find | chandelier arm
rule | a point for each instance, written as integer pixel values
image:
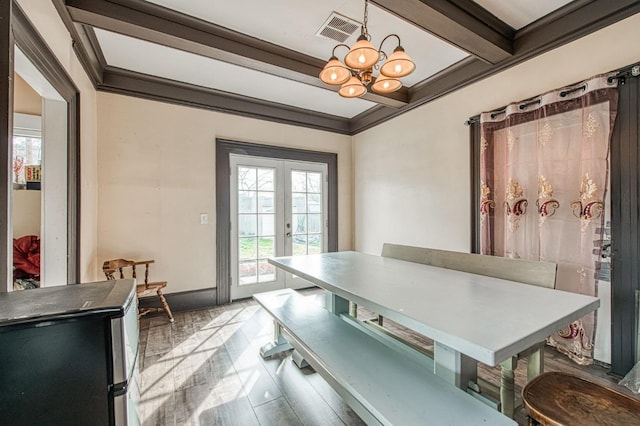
(385, 39)
(333, 52)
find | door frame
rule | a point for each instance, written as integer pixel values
(17, 30)
(224, 147)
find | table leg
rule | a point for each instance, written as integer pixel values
(278, 345)
(535, 362)
(507, 395)
(336, 304)
(454, 366)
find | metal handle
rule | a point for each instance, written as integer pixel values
(288, 234)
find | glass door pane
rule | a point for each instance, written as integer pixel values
(278, 208)
(256, 234)
(306, 201)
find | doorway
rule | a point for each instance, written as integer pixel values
(28, 54)
(278, 208)
(224, 150)
(41, 142)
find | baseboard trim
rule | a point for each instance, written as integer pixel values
(183, 300)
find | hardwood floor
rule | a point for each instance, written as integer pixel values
(205, 369)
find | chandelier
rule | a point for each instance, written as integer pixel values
(356, 73)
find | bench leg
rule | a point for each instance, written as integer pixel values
(298, 359)
(453, 366)
(278, 345)
(507, 395)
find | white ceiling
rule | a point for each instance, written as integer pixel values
(154, 59)
(293, 25)
(520, 13)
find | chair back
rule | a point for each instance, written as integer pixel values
(111, 267)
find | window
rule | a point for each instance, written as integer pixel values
(27, 150)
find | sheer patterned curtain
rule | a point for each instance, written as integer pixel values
(544, 176)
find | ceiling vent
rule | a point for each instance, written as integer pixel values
(338, 27)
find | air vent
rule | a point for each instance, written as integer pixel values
(338, 27)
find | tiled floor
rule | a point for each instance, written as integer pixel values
(205, 369)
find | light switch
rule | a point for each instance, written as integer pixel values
(204, 218)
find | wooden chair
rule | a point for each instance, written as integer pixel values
(561, 399)
(110, 267)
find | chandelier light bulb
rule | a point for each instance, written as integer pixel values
(398, 65)
(334, 72)
(384, 84)
(362, 54)
(352, 88)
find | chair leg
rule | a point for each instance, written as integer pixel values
(165, 305)
(532, 422)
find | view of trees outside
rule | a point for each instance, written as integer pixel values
(257, 219)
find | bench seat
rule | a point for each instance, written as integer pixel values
(380, 383)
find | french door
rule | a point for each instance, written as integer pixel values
(278, 208)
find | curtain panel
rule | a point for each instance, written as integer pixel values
(544, 178)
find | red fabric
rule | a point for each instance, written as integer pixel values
(26, 256)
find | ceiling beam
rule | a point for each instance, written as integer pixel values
(117, 80)
(490, 39)
(156, 24)
(91, 58)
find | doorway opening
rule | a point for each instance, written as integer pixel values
(278, 208)
(305, 237)
(28, 55)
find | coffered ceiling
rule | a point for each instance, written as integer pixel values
(262, 58)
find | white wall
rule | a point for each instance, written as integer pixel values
(411, 174)
(48, 23)
(156, 173)
(26, 212)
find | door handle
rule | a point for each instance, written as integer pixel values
(288, 234)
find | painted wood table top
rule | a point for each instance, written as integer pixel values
(487, 319)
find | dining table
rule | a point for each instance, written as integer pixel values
(470, 317)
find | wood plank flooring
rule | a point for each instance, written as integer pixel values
(206, 369)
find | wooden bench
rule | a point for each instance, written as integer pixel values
(542, 274)
(563, 399)
(384, 384)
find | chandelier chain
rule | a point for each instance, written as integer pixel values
(366, 18)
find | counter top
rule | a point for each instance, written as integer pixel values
(103, 297)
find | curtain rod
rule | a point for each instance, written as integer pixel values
(621, 75)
